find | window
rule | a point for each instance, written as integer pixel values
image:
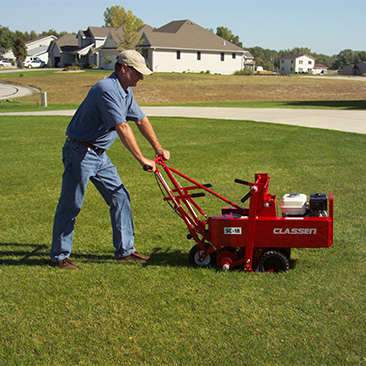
(310, 62)
(234, 56)
(222, 56)
(199, 55)
(301, 62)
(282, 61)
(178, 55)
(145, 53)
(292, 61)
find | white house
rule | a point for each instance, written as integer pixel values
(36, 48)
(297, 64)
(183, 46)
(320, 69)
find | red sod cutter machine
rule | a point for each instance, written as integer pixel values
(254, 237)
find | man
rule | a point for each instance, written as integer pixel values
(101, 117)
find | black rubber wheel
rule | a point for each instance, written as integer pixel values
(274, 261)
(193, 258)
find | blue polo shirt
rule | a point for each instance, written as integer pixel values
(106, 106)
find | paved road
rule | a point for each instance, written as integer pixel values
(341, 120)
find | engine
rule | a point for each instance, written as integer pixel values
(298, 205)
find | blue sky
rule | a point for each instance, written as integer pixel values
(324, 26)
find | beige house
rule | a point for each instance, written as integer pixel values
(80, 49)
(297, 64)
(61, 51)
(183, 46)
(111, 47)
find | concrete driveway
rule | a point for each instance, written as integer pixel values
(8, 91)
(340, 120)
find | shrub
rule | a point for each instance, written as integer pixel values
(245, 72)
(70, 68)
(107, 60)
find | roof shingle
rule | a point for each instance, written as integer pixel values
(184, 34)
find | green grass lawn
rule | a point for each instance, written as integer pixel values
(168, 312)
(66, 90)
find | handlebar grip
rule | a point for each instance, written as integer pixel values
(240, 181)
(253, 189)
(146, 168)
(246, 196)
(201, 194)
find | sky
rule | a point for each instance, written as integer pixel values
(323, 26)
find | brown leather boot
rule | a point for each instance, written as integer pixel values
(63, 264)
(135, 256)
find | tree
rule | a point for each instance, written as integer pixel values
(299, 51)
(130, 37)
(116, 16)
(324, 59)
(6, 37)
(52, 32)
(268, 59)
(107, 60)
(228, 35)
(19, 49)
(344, 58)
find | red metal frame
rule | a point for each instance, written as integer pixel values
(249, 230)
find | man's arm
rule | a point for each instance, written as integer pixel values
(148, 132)
(128, 139)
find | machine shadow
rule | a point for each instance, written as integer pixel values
(177, 258)
(17, 254)
(21, 254)
(168, 257)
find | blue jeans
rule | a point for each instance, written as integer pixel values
(81, 165)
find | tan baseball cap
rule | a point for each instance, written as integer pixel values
(134, 59)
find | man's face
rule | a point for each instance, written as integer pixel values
(129, 77)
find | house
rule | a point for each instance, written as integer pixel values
(35, 48)
(82, 48)
(183, 46)
(179, 46)
(110, 50)
(90, 42)
(297, 64)
(62, 50)
(361, 66)
(320, 69)
(355, 69)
